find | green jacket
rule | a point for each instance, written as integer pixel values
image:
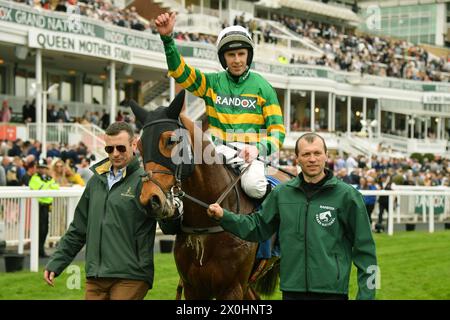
(118, 233)
(244, 109)
(319, 237)
(37, 183)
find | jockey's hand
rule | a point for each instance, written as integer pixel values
(48, 277)
(249, 153)
(215, 211)
(165, 23)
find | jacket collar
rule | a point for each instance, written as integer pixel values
(241, 78)
(104, 166)
(297, 181)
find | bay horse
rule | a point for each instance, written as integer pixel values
(212, 263)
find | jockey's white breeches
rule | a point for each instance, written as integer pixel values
(253, 182)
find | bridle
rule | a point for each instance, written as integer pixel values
(176, 190)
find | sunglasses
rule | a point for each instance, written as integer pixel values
(110, 149)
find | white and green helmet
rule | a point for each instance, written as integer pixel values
(233, 38)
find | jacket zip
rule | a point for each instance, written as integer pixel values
(306, 223)
(101, 234)
(306, 247)
(136, 245)
(102, 223)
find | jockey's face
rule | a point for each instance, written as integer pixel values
(236, 61)
(118, 158)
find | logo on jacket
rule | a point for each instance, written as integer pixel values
(128, 194)
(236, 102)
(325, 219)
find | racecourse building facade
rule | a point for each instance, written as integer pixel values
(97, 65)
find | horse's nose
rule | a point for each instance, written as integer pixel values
(155, 203)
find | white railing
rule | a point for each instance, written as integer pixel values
(19, 216)
(409, 146)
(19, 213)
(428, 204)
(72, 133)
(76, 109)
(206, 11)
(198, 23)
(427, 146)
(395, 142)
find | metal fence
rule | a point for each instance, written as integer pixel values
(19, 212)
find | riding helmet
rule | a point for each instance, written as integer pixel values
(233, 38)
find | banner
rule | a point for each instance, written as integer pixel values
(8, 132)
(78, 44)
(439, 204)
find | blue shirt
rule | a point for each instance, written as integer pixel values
(112, 179)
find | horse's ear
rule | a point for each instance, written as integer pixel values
(139, 112)
(176, 105)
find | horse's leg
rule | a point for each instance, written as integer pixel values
(191, 294)
(235, 292)
(251, 294)
(179, 290)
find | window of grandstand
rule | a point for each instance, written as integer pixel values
(341, 114)
(23, 81)
(301, 111)
(321, 111)
(93, 93)
(357, 114)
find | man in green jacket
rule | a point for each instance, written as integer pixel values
(242, 107)
(109, 219)
(323, 227)
(41, 180)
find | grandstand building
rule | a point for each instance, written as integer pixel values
(98, 64)
(416, 21)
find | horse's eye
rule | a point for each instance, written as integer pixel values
(173, 140)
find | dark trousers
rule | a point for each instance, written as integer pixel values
(383, 205)
(43, 226)
(289, 295)
(369, 208)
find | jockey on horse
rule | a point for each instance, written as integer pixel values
(242, 107)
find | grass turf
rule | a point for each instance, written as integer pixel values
(413, 265)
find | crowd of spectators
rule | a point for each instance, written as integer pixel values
(103, 10)
(380, 173)
(403, 171)
(347, 51)
(68, 164)
(367, 54)
(62, 115)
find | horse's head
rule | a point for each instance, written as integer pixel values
(167, 155)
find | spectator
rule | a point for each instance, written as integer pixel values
(84, 170)
(41, 180)
(58, 173)
(383, 201)
(2, 176)
(30, 171)
(5, 112)
(369, 201)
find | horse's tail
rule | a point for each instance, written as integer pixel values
(267, 284)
